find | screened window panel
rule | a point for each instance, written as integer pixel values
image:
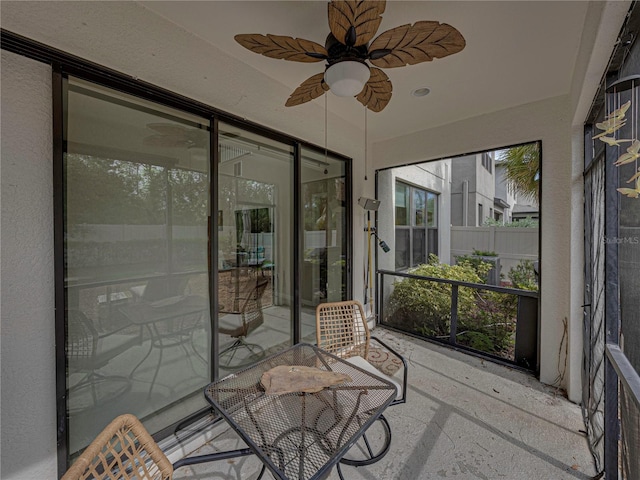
(432, 242)
(402, 203)
(419, 247)
(431, 208)
(402, 251)
(419, 204)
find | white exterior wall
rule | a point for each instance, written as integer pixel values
(549, 121)
(433, 176)
(503, 192)
(557, 122)
(27, 283)
(485, 190)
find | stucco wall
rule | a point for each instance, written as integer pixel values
(170, 57)
(435, 177)
(549, 121)
(26, 239)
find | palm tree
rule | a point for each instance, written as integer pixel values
(522, 170)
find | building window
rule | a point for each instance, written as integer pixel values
(416, 223)
(480, 214)
(487, 161)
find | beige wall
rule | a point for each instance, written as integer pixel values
(26, 237)
(557, 122)
(548, 121)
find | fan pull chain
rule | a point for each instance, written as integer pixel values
(365, 143)
(325, 129)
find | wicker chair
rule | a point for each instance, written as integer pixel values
(124, 450)
(251, 318)
(341, 329)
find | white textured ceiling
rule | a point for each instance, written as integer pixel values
(517, 52)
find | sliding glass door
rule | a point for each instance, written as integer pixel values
(136, 208)
(182, 262)
(255, 246)
(324, 243)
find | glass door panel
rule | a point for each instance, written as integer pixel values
(255, 245)
(324, 250)
(136, 277)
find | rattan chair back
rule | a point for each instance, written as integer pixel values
(341, 329)
(252, 314)
(82, 342)
(124, 450)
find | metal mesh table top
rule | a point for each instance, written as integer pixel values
(301, 435)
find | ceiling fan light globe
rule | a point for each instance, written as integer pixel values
(347, 78)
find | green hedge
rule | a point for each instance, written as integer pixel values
(486, 319)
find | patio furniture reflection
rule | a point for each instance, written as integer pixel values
(87, 352)
(250, 317)
(299, 435)
(170, 322)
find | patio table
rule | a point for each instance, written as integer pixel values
(299, 435)
(170, 323)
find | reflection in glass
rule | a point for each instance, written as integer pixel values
(402, 251)
(419, 197)
(402, 204)
(324, 262)
(432, 200)
(255, 244)
(136, 212)
(419, 246)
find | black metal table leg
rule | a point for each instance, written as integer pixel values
(373, 456)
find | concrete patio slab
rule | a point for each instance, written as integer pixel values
(465, 418)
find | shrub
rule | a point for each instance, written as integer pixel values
(490, 326)
(527, 222)
(481, 267)
(484, 253)
(425, 306)
(486, 319)
(523, 276)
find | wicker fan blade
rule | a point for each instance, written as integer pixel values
(377, 91)
(311, 88)
(363, 16)
(286, 48)
(411, 44)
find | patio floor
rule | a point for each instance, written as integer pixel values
(465, 418)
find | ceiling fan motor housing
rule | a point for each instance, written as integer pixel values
(339, 52)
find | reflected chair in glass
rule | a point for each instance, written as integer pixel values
(87, 352)
(251, 317)
(123, 450)
(341, 329)
(169, 324)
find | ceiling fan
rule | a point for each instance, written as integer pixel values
(348, 53)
